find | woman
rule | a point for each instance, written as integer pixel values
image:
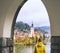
(39, 47)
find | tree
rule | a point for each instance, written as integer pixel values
(22, 26)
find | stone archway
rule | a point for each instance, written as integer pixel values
(8, 9)
(53, 11)
(7, 24)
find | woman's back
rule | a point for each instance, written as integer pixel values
(40, 48)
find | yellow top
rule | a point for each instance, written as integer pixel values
(40, 48)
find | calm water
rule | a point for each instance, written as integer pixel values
(30, 49)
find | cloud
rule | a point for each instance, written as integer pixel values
(34, 10)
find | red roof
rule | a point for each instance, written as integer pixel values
(19, 35)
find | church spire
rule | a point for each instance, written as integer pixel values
(32, 30)
(32, 25)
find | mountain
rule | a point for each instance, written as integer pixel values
(45, 28)
(22, 26)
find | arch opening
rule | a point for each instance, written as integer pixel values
(21, 32)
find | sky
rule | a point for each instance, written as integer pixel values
(34, 11)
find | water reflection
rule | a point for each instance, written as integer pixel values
(23, 49)
(28, 49)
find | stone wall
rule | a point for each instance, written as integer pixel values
(6, 45)
(55, 44)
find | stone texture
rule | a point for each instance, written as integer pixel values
(6, 45)
(1, 39)
(55, 44)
